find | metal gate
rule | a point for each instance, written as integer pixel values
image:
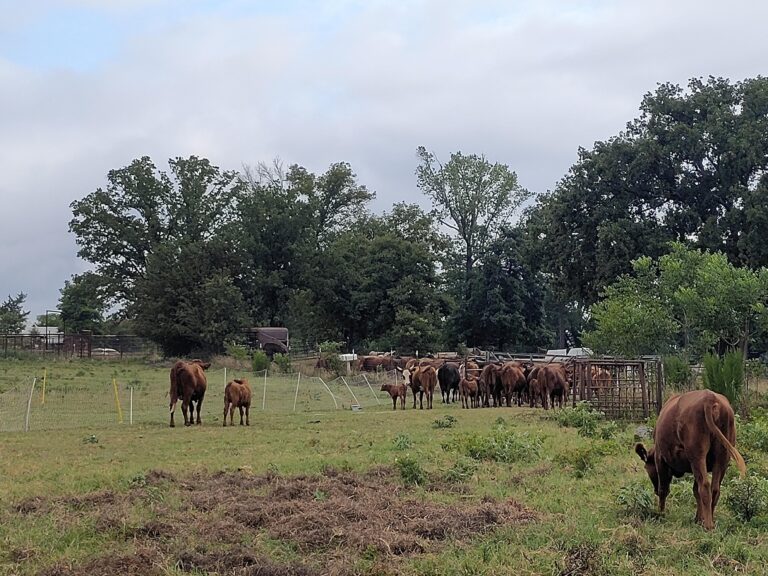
(621, 389)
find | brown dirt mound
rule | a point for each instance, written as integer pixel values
(334, 517)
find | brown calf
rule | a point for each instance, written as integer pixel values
(396, 391)
(237, 394)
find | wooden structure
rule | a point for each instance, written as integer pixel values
(621, 389)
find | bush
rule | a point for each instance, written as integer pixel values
(501, 445)
(582, 460)
(753, 435)
(283, 362)
(725, 375)
(236, 351)
(461, 471)
(678, 372)
(582, 416)
(260, 361)
(329, 353)
(747, 498)
(445, 422)
(403, 442)
(410, 470)
(636, 500)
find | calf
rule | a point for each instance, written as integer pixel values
(695, 432)
(468, 389)
(396, 391)
(237, 394)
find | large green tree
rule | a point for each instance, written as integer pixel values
(118, 227)
(83, 303)
(691, 168)
(13, 318)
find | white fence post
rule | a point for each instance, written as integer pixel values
(130, 417)
(372, 391)
(264, 397)
(296, 396)
(333, 396)
(29, 404)
(350, 391)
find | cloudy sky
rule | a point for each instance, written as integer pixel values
(89, 85)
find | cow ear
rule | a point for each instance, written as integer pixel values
(642, 452)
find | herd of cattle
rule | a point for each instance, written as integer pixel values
(492, 384)
(695, 431)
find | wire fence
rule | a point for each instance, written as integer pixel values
(36, 404)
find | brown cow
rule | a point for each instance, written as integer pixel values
(695, 432)
(237, 393)
(423, 379)
(468, 389)
(376, 363)
(489, 382)
(397, 391)
(513, 382)
(188, 382)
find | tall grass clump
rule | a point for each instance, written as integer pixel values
(283, 362)
(747, 498)
(500, 445)
(754, 434)
(636, 500)
(411, 471)
(725, 375)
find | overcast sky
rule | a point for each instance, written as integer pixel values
(89, 85)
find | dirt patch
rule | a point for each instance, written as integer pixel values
(336, 517)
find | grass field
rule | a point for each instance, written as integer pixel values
(488, 491)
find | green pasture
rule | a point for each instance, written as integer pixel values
(569, 482)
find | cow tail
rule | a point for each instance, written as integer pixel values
(717, 432)
(174, 391)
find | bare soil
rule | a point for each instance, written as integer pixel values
(200, 522)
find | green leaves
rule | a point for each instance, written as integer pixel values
(12, 315)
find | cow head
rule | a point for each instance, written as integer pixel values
(201, 363)
(406, 375)
(648, 457)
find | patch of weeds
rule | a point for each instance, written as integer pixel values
(581, 460)
(754, 435)
(273, 469)
(461, 471)
(583, 414)
(138, 480)
(747, 498)
(410, 470)
(402, 442)
(608, 430)
(501, 445)
(636, 500)
(500, 421)
(445, 422)
(92, 439)
(320, 496)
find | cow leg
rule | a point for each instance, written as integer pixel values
(421, 400)
(394, 402)
(247, 415)
(199, 404)
(414, 399)
(226, 409)
(241, 414)
(665, 479)
(184, 407)
(704, 497)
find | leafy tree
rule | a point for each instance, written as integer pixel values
(13, 318)
(187, 300)
(688, 298)
(471, 196)
(119, 228)
(83, 303)
(52, 320)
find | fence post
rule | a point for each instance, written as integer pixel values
(264, 397)
(117, 402)
(296, 396)
(29, 405)
(350, 391)
(371, 387)
(333, 396)
(131, 409)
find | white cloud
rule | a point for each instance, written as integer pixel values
(364, 82)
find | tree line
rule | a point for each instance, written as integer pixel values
(653, 241)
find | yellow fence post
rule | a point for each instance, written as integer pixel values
(117, 402)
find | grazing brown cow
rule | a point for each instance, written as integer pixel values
(423, 379)
(237, 394)
(396, 391)
(188, 382)
(695, 432)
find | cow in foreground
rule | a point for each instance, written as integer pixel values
(188, 382)
(423, 379)
(237, 394)
(396, 391)
(695, 432)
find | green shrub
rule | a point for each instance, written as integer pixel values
(236, 351)
(725, 375)
(260, 361)
(582, 459)
(677, 372)
(461, 471)
(403, 442)
(501, 445)
(747, 498)
(636, 500)
(753, 435)
(411, 471)
(445, 422)
(283, 362)
(329, 352)
(583, 414)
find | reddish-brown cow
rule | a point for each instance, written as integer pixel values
(423, 379)
(237, 394)
(695, 432)
(188, 382)
(396, 391)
